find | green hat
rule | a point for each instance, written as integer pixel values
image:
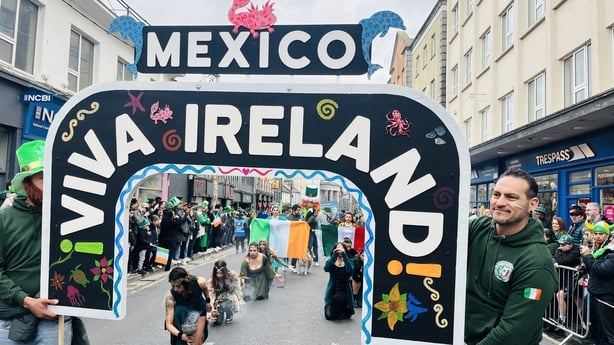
(174, 202)
(204, 204)
(565, 239)
(602, 226)
(31, 157)
(540, 209)
(144, 223)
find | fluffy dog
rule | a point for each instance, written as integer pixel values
(304, 264)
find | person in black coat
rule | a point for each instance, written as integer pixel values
(600, 265)
(568, 255)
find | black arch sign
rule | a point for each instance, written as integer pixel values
(395, 150)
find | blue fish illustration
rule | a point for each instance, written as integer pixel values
(414, 308)
(378, 24)
(131, 29)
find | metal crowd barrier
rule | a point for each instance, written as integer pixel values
(569, 310)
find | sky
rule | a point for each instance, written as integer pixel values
(292, 12)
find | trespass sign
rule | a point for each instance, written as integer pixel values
(397, 152)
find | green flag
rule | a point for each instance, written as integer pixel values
(329, 238)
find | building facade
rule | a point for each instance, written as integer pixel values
(530, 85)
(49, 50)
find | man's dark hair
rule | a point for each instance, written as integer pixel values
(518, 173)
(295, 207)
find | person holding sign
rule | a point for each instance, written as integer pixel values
(510, 272)
(186, 308)
(24, 316)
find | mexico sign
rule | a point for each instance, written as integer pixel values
(398, 152)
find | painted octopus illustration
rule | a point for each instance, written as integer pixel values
(254, 19)
(396, 124)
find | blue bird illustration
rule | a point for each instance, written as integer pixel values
(129, 28)
(414, 308)
(378, 24)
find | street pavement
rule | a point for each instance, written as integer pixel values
(292, 315)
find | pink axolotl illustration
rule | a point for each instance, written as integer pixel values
(160, 114)
(254, 19)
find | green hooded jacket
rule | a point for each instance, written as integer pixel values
(510, 282)
(20, 252)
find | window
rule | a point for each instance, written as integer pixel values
(486, 124)
(507, 113)
(433, 46)
(537, 97)
(507, 28)
(432, 89)
(455, 19)
(536, 10)
(577, 75)
(417, 65)
(468, 130)
(455, 80)
(122, 71)
(486, 42)
(18, 33)
(80, 62)
(468, 66)
(424, 54)
(469, 7)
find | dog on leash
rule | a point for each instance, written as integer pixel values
(304, 265)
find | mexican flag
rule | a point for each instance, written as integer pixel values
(289, 239)
(332, 234)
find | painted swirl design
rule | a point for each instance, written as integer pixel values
(427, 282)
(327, 108)
(443, 198)
(67, 136)
(171, 140)
(441, 323)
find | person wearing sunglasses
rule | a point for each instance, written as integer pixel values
(576, 229)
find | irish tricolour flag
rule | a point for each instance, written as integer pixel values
(533, 293)
(289, 239)
(332, 234)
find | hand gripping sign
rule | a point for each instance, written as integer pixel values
(398, 153)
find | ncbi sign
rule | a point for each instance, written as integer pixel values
(40, 110)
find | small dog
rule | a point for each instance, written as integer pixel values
(305, 264)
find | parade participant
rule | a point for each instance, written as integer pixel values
(311, 217)
(275, 214)
(358, 260)
(24, 317)
(295, 215)
(257, 273)
(510, 277)
(338, 298)
(225, 293)
(186, 308)
(274, 260)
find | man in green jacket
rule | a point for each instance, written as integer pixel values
(510, 273)
(24, 317)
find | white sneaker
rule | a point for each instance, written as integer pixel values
(317, 264)
(187, 260)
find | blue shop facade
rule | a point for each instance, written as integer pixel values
(570, 154)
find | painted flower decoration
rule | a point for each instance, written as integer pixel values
(392, 306)
(103, 270)
(57, 281)
(78, 276)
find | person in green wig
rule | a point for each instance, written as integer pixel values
(25, 315)
(600, 265)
